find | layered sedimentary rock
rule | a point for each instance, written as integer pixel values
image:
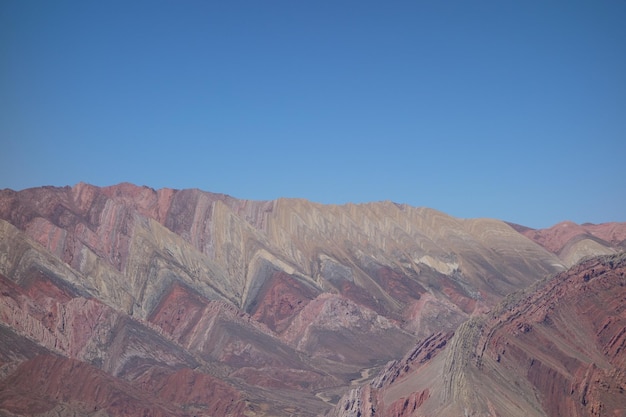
(555, 349)
(183, 302)
(572, 242)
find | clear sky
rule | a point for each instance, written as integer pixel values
(506, 109)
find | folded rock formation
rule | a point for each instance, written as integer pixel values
(126, 300)
(557, 348)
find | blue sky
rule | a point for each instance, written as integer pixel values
(507, 109)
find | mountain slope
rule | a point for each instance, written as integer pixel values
(155, 293)
(555, 349)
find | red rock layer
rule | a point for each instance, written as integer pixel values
(374, 399)
(569, 338)
(407, 406)
(40, 384)
(45, 382)
(280, 300)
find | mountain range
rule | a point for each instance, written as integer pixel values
(126, 300)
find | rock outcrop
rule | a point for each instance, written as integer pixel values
(555, 349)
(183, 302)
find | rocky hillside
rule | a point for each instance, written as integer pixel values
(572, 242)
(555, 349)
(125, 300)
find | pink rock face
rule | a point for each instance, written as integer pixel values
(407, 406)
(386, 394)
(189, 389)
(148, 202)
(41, 384)
(399, 286)
(57, 318)
(55, 379)
(570, 337)
(178, 312)
(280, 300)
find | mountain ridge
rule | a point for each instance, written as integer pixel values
(269, 297)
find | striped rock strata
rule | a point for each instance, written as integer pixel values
(556, 349)
(280, 306)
